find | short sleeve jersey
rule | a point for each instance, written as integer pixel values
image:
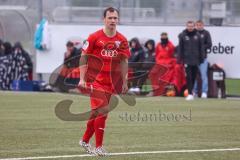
(109, 50)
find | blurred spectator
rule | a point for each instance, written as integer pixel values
(19, 67)
(18, 50)
(7, 48)
(70, 59)
(149, 54)
(166, 72)
(13, 67)
(191, 51)
(148, 60)
(203, 67)
(1, 48)
(70, 73)
(137, 56)
(4, 63)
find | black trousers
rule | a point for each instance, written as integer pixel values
(191, 71)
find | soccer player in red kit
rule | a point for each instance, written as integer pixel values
(112, 49)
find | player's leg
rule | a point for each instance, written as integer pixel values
(190, 81)
(89, 131)
(100, 103)
(84, 142)
(99, 126)
(203, 70)
(86, 146)
(195, 89)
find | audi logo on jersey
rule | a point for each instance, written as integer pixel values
(109, 53)
(110, 49)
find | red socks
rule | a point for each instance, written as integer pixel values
(96, 126)
(99, 126)
(89, 131)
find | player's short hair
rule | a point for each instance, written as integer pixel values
(190, 22)
(69, 44)
(110, 9)
(164, 34)
(199, 21)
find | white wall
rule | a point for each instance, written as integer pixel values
(225, 37)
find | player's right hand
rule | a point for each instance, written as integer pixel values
(124, 88)
(82, 84)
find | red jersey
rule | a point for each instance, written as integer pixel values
(164, 55)
(107, 52)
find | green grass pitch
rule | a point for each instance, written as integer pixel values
(30, 128)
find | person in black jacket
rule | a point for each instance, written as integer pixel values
(149, 55)
(70, 55)
(190, 53)
(135, 62)
(148, 60)
(69, 73)
(203, 67)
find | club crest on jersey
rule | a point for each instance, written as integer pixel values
(117, 43)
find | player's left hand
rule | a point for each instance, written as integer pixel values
(124, 88)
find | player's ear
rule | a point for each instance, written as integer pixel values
(104, 20)
(118, 20)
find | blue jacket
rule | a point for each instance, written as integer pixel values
(38, 36)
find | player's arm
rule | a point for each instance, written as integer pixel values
(83, 69)
(87, 49)
(124, 72)
(180, 55)
(208, 44)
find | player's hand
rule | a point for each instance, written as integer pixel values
(67, 54)
(82, 84)
(124, 88)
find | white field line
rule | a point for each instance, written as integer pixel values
(128, 153)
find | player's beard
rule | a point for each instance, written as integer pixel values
(112, 27)
(110, 30)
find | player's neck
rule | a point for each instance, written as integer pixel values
(109, 32)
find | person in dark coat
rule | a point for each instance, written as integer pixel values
(70, 72)
(149, 54)
(203, 67)
(190, 53)
(135, 62)
(148, 61)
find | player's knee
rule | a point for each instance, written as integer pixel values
(103, 110)
(100, 121)
(90, 123)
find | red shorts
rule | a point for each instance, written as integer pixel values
(99, 94)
